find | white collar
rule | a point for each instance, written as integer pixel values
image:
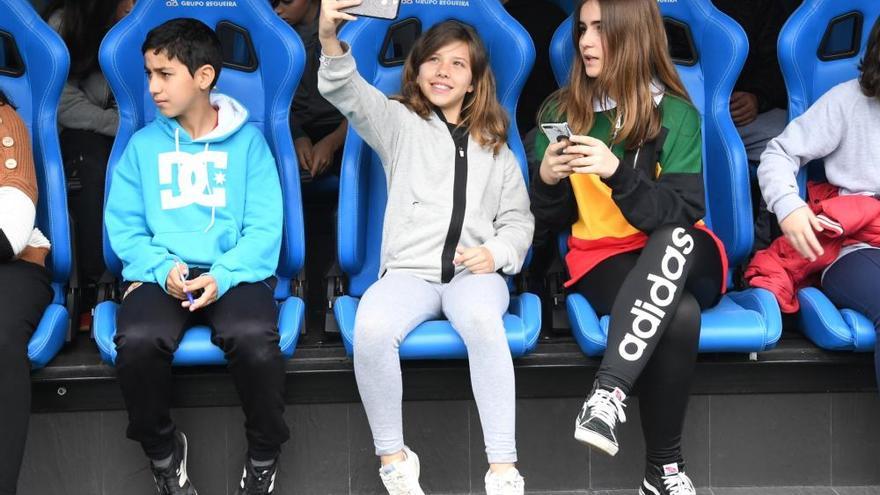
(657, 92)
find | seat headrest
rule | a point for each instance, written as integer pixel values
(821, 46)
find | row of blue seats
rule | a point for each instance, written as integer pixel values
(747, 321)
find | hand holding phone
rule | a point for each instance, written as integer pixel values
(380, 9)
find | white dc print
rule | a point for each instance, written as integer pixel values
(195, 187)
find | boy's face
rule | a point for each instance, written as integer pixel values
(172, 87)
(291, 11)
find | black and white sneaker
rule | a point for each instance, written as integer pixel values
(595, 425)
(257, 480)
(668, 479)
(173, 480)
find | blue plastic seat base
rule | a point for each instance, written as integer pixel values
(196, 347)
(437, 339)
(833, 329)
(746, 321)
(49, 336)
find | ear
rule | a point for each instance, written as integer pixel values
(470, 88)
(205, 76)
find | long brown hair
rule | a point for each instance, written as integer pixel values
(635, 52)
(481, 112)
(869, 78)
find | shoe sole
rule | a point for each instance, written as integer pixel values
(595, 440)
(183, 462)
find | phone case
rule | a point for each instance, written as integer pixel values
(380, 9)
(555, 132)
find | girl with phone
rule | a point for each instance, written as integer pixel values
(457, 213)
(628, 187)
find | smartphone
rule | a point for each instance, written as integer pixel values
(380, 9)
(556, 132)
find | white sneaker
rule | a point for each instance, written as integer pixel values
(507, 483)
(402, 477)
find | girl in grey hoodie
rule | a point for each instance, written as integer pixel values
(457, 212)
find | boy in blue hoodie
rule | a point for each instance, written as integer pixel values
(195, 213)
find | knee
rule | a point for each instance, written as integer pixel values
(373, 335)
(684, 328)
(254, 341)
(138, 343)
(481, 330)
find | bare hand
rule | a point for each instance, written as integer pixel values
(478, 260)
(322, 155)
(304, 150)
(332, 17)
(554, 166)
(743, 107)
(209, 295)
(174, 281)
(595, 157)
(800, 227)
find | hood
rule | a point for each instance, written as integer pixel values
(231, 116)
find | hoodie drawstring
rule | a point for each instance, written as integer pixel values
(210, 189)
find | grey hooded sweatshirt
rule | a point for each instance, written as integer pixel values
(425, 168)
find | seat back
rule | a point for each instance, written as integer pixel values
(380, 46)
(698, 28)
(33, 70)
(821, 46)
(263, 62)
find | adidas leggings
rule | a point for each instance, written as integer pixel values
(655, 297)
(474, 304)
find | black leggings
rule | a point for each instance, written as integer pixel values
(85, 164)
(655, 297)
(149, 326)
(24, 294)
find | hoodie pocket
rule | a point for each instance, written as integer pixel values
(198, 246)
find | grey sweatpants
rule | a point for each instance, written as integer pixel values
(474, 305)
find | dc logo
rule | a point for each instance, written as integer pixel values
(171, 3)
(193, 182)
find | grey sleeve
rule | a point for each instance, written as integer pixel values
(376, 118)
(813, 135)
(75, 111)
(514, 223)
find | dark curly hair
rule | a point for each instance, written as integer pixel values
(870, 66)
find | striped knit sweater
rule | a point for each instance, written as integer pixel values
(659, 183)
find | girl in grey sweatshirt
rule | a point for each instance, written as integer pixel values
(457, 212)
(842, 128)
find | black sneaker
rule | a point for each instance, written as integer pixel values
(257, 481)
(173, 480)
(595, 424)
(668, 479)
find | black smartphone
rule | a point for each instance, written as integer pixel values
(380, 9)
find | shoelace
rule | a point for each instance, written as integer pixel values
(396, 483)
(261, 482)
(170, 480)
(678, 484)
(606, 407)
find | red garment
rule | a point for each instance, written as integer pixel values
(585, 255)
(847, 219)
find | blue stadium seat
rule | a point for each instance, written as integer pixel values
(266, 88)
(818, 49)
(746, 321)
(35, 90)
(362, 194)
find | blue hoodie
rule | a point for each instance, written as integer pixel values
(213, 202)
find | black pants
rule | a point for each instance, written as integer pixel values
(655, 298)
(24, 295)
(85, 164)
(150, 324)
